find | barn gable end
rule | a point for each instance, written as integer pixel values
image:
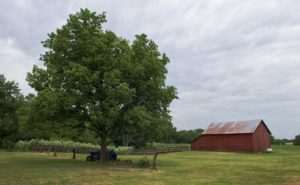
(261, 138)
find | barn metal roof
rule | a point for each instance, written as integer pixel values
(234, 127)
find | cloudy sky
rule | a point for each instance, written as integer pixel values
(230, 60)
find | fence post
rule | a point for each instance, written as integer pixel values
(55, 154)
(74, 153)
(154, 160)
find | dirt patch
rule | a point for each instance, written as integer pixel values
(291, 179)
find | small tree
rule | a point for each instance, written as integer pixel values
(98, 80)
(297, 140)
(273, 140)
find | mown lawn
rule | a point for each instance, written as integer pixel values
(282, 166)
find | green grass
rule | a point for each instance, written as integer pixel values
(282, 166)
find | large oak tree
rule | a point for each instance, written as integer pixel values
(102, 81)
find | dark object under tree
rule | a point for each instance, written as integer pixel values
(96, 156)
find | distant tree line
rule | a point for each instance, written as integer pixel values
(284, 141)
(10, 102)
(297, 140)
(186, 136)
(20, 119)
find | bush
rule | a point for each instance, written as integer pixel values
(29, 145)
(7, 143)
(23, 145)
(120, 149)
(297, 140)
(144, 162)
(166, 145)
(61, 146)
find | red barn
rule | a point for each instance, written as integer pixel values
(245, 136)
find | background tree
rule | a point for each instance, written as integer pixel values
(97, 80)
(26, 129)
(187, 136)
(38, 118)
(273, 140)
(297, 140)
(10, 99)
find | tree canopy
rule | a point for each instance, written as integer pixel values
(187, 136)
(297, 140)
(10, 99)
(96, 79)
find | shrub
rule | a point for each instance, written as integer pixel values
(7, 143)
(61, 146)
(297, 140)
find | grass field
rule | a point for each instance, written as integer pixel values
(193, 167)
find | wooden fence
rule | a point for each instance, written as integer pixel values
(144, 151)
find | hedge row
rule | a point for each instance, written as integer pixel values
(41, 145)
(167, 145)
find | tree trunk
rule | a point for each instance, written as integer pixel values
(103, 150)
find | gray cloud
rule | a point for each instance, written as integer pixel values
(230, 60)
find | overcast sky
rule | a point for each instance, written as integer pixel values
(230, 60)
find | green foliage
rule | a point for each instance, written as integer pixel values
(187, 136)
(97, 80)
(284, 141)
(23, 145)
(33, 122)
(144, 162)
(273, 141)
(28, 145)
(166, 145)
(10, 100)
(297, 140)
(27, 129)
(120, 149)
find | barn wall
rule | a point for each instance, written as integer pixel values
(225, 142)
(261, 139)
